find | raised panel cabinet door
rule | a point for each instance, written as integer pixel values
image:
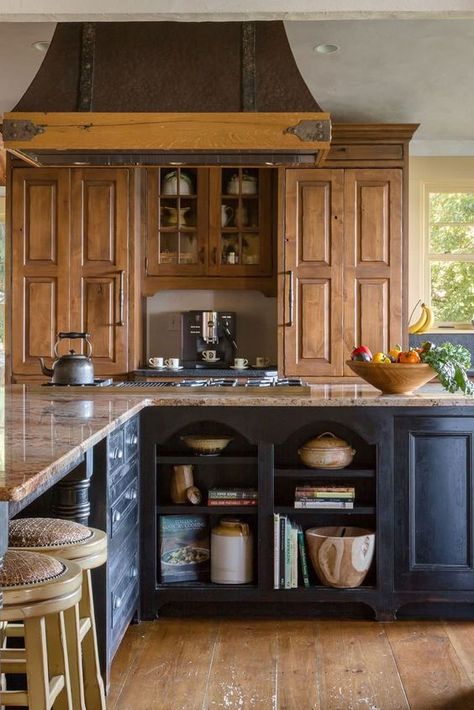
(100, 264)
(40, 265)
(373, 260)
(312, 294)
(433, 484)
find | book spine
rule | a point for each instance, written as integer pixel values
(276, 551)
(282, 550)
(232, 493)
(233, 501)
(324, 494)
(288, 554)
(325, 500)
(294, 556)
(314, 505)
(346, 489)
(303, 558)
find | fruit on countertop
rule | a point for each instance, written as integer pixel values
(361, 353)
(424, 322)
(381, 357)
(409, 357)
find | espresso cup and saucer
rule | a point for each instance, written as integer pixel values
(240, 363)
(262, 361)
(210, 356)
(158, 363)
(172, 363)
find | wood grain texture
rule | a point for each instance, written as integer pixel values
(431, 671)
(166, 131)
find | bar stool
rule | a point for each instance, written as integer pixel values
(86, 547)
(40, 591)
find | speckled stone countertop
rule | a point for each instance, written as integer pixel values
(42, 431)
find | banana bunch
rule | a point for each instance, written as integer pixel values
(424, 322)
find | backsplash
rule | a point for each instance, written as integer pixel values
(256, 320)
(466, 339)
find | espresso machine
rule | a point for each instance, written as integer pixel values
(208, 330)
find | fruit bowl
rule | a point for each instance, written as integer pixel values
(206, 445)
(393, 378)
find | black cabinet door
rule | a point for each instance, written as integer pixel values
(433, 483)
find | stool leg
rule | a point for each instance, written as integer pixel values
(58, 658)
(37, 663)
(71, 617)
(94, 685)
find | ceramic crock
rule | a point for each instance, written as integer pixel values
(326, 451)
(231, 552)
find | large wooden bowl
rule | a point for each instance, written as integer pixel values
(393, 378)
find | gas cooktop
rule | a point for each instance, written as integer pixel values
(214, 382)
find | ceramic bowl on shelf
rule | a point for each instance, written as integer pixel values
(341, 556)
(393, 378)
(326, 451)
(206, 445)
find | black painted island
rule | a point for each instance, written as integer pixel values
(412, 473)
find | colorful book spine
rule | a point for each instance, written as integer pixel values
(294, 556)
(282, 550)
(334, 504)
(288, 545)
(232, 501)
(302, 556)
(232, 493)
(276, 551)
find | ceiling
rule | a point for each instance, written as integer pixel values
(414, 71)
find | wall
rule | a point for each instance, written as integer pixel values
(256, 320)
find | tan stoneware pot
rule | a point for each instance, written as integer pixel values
(326, 451)
(341, 556)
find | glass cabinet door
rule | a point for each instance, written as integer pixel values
(242, 239)
(177, 206)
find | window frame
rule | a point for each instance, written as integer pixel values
(447, 187)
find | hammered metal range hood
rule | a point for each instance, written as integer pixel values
(160, 92)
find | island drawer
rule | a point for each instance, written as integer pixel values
(115, 449)
(121, 479)
(124, 575)
(124, 511)
(131, 438)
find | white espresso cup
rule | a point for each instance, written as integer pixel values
(172, 362)
(262, 361)
(156, 362)
(209, 355)
(241, 362)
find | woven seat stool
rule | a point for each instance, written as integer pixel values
(86, 547)
(43, 593)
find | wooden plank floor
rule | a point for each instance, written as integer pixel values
(205, 664)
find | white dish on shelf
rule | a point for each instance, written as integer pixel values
(158, 367)
(234, 367)
(180, 367)
(216, 359)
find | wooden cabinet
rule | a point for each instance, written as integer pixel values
(208, 228)
(434, 497)
(71, 265)
(343, 261)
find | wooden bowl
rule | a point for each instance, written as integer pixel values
(341, 556)
(206, 445)
(393, 378)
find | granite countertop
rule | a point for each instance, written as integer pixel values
(42, 431)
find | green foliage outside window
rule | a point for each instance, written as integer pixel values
(451, 232)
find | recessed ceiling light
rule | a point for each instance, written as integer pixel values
(41, 46)
(326, 48)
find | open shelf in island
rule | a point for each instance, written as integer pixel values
(303, 473)
(206, 509)
(180, 459)
(357, 510)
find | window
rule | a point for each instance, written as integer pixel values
(2, 282)
(449, 252)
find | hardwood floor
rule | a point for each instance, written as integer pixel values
(201, 664)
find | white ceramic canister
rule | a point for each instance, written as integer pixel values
(231, 552)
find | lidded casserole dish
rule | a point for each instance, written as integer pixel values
(326, 451)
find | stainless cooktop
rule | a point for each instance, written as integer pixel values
(213, 382)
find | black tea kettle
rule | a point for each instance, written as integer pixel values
(72, 369)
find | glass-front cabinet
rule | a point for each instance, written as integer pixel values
(240, 221)
(209, 222)
(177, 205)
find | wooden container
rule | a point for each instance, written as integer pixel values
(181, 479)
(326, 451)
(341, 556)
(393, 378)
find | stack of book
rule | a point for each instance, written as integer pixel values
(232, 496)
(289, 547)
(308, 496)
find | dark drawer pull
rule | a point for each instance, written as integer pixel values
(133, 572)
(116, 515)
(133, 440)
(117, 602)
(116, 454)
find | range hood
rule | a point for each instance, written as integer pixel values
(161, 92)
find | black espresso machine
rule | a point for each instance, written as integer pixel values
(203, 332)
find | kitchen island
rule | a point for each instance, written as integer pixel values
(413, 474)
